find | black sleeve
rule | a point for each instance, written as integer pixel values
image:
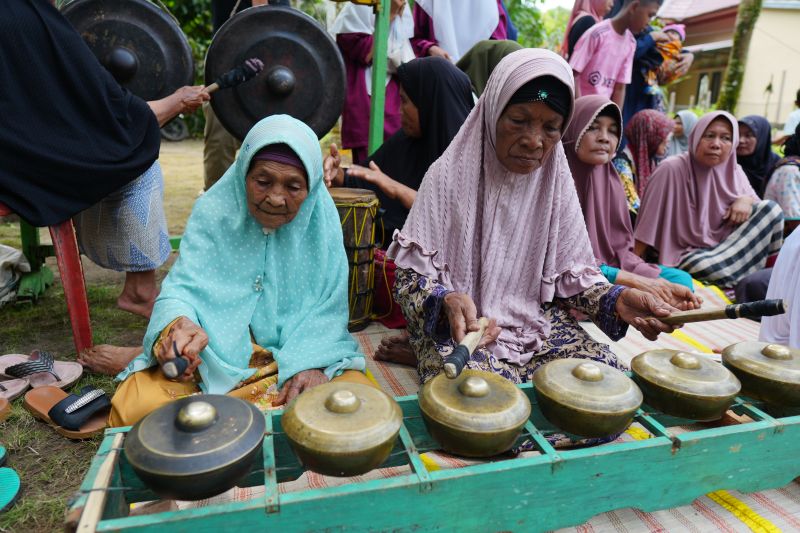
(580, 27)
(352, 182)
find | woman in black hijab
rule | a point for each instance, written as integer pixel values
(754, 152)
(436, 99)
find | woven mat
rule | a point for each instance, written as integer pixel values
(732, 511)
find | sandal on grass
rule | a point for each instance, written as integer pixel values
(75, 416)
(3, 455)
(10, 389)
(5, 408)
(41, 369)
(10, 488)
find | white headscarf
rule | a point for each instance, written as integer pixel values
(785, 283)
(361, 19)
(459, 25)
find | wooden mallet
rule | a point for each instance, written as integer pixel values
(236, 76)
(755, 309)
(456, 361)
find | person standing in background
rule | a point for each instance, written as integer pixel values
(585, 14)
(219, 146)
(353, 30)
(449, 29)
(792, 121)
(603, 56)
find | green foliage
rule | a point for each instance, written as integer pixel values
(555, 25)
(529, 20)
(732, 85)
(194, 17)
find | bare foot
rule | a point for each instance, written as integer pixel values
(107, 359)
(139, 293)
(396, 349)
(137, 307)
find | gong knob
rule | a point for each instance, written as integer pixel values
(122, 63)
(342, 402)
(280, 81)
(196, 416)
(474, 387)
(588, 372)
(685, 360)
(776, 351)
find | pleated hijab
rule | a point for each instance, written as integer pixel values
(510, 241)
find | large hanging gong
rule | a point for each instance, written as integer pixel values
(138, 42)
(303, 72)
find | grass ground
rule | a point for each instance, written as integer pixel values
(52, 467)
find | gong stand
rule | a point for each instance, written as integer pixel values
(757, 451)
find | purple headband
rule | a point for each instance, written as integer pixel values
(280, 153)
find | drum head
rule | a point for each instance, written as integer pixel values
(138, 42)
(348, 196)
(303, 70)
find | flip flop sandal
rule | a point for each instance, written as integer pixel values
(10, 389)
(10, 488)
(5, 408)
(3, 455)
(73, 416)
(41, 369)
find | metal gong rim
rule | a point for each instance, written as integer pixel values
(138, 42)
(303, 72)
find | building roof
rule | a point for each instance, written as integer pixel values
(709, 47)
(686, 9)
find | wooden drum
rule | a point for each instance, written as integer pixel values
(358, 209)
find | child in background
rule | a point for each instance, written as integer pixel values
(603, 57)
(671, 54)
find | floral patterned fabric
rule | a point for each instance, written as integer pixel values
(421, 300)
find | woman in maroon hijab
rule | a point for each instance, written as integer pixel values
(590, 141)
(700, 213)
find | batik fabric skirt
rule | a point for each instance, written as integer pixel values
(127, 230)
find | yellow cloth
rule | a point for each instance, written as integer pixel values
(144, 392)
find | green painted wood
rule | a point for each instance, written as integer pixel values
(557, 488)
(271, 498)
(379, 60)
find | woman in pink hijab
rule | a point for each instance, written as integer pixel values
(495, 231)
(590, 141)
(585, 14)
(700, 214)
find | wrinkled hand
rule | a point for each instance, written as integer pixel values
(738, 212)
(307, 379)
(332, 168)
(438, 51)
(642, 311)
(672, 293)
(190, 339)
(191, 97)
(463, 318)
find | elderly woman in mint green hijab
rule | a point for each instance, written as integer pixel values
(260, 285)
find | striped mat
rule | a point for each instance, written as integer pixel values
(730, 511)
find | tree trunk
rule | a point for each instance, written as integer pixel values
(732, 86)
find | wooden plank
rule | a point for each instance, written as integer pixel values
(95, 503)
(526, 493)
(271, 496)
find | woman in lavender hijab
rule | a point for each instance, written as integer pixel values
(493, 233)
(590, 141)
